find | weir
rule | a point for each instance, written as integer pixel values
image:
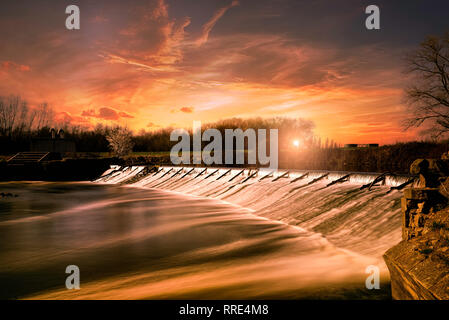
(236, 175)
(266, 176)
(311, 182)
(224, 174)
(319, 178)
(187, 173)
(167, 172)
(332, 204)
(340, 180)
(402, 186)
(367, 180)
(157, 171)
(213, 173)
(300, 177)
(176, 173)
(380, 178)
(250, 176)
(285, 174)
(199, 174)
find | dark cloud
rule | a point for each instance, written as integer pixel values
(106, 113)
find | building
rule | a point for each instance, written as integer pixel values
(362, 145)
(55, 143)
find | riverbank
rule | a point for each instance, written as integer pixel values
(57, 170)
(419, 268)
(395, 158)
(419, 264)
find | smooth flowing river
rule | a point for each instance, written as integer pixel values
(131, 242)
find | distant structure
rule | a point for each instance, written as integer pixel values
(362, 145)
(55, 143)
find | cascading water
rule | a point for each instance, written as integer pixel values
(140, 232)
(366, 221)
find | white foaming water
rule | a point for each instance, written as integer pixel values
(365, 221)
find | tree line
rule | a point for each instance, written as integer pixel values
(20, 124)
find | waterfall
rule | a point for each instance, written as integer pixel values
(342, 206)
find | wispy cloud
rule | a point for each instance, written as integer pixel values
(106, 113)
(99, 19)
(207, 27)
(10, 65)
(112, 58)
(186, 109)
(154, 59)
(153, 41)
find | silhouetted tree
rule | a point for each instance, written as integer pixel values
(428, 97)
(17, 119)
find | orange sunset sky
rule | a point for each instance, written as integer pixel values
(157, 63)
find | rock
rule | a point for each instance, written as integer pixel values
(440, 167)
(420, 193)
(430, 171)
(444, 187)
(430, 180)
(419, 166)
(8, 195)
(419, 265)
(421, 207)
(445, 156)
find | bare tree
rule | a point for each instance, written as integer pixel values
(11, 112)
(120, 141)
(17, 118)
(44, 116)
(22, 119)
(2, 115)
(428, 98)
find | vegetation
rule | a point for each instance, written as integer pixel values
(395, 158)
(438, 226)
(20, 124)
(120, 141)
(428, 97)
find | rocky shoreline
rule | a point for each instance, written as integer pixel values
(419, 264)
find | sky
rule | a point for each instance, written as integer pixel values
(150, 64)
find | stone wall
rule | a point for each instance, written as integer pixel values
(419, 264)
